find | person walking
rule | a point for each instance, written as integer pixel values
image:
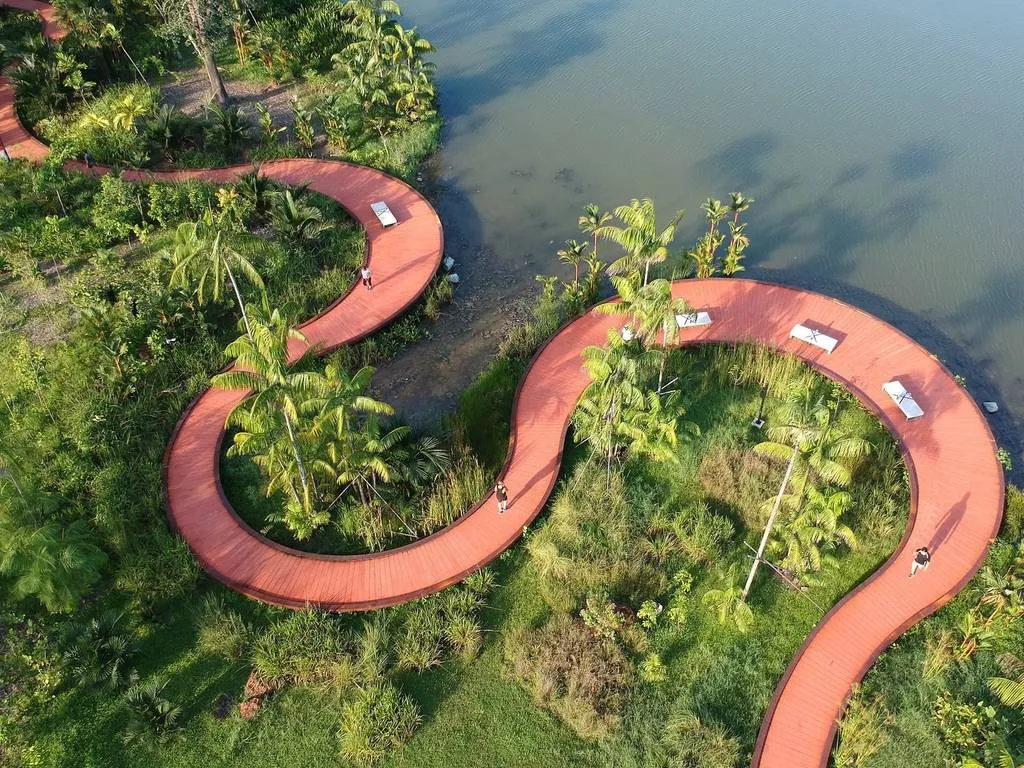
(89, 161)
(367, 276)
(501, 492)
(921, 559)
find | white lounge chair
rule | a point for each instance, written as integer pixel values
(817, 338)
(903, 399)
(693, 320)
(384, 214)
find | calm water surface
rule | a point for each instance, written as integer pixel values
(881, 140)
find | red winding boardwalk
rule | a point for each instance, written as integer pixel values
(957, 484)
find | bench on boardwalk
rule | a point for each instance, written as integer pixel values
(903, 399)
(811, 336)
(693, 320)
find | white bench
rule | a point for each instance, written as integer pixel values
(903, 399)
(817, 338)
(384, 214)
(693, 320)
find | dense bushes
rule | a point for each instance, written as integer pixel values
(574, 671)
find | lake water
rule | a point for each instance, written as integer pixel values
(881, 141)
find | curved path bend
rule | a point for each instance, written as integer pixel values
(956, 482)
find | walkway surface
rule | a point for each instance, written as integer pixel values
(957, 484)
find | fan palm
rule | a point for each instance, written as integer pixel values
(101, 651)
(200, 254)
(640, 237)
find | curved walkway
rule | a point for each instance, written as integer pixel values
(957, 484)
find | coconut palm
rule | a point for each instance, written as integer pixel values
(729, 602)
(573, 254)
(592, 220)
(808, 439)
(262, 366)
(201, 255)
(640, 237)
(738, 203)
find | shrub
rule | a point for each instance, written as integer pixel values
(653, 669)
(158, 569)
(1013, 517)
(420, 645)
(171, 204)
(964, 728)
(863, 730)
(580, 676)
(379, 721)
(107, 130)
(693, 744)
(439, 294)
(306, 647)
(454, 493)
(115, 210)
(222, 631)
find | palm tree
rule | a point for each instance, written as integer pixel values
(814, 529)
(1010, 691)
(652, 311)
(734, 254)
(705, 251)
(729, 602)
(738, 204)
(592, 220)
(573, 254)
(51, 561)
(617, 375)
(227, 127)
(200, 254)
(153, 709)
(295, 218)
(261, 365)
(364, 459)
(101, 650)
(639, 237)
(809, 438)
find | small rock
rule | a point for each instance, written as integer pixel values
(990, 406)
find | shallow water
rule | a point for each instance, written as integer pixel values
(880, 139)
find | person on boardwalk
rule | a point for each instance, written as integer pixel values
(367, 277)
(921, 559)
(89, 160)
(501, 492)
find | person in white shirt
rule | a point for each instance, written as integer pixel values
(367, 277)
